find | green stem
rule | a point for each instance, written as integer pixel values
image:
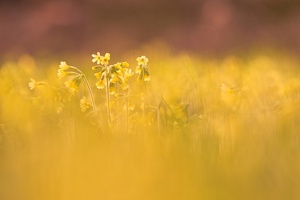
(127, 109)
(144, 100)
(93, 102)
(108, 103)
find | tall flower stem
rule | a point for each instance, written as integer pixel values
(144, 96)
(108, 102)
(127, 109)
(93, 102)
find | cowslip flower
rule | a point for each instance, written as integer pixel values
(104, 59)
(63, 66)
(32, 84)
(127, 74)
(111, 75)
(96, 58)
(100, 84)
(61, 73)
(73, 85)
(143, 60)
(142, 69)
(84, 104)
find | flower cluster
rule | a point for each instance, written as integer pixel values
(111, 75)
(66, 70)
(142, 69)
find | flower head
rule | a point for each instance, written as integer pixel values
(100, 84)
(96, 58)
(127, 74)
(84, 104)
(143, 60)
(63, 66)
(32, 84)
(61, 73)
(105, 59)
(124, 64)
(72, 85)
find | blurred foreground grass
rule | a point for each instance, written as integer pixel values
(220, 129)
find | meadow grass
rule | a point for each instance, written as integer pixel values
(207, 128)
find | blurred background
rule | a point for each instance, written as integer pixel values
(205, 26)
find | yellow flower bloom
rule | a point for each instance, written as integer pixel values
(61, 73)
(84, 105)
(100, 84)
(143, 60)
(112, 88)
(118, 65)
(96, 58)
(124, 64)
(128, 73)
(32, 84)
(98, 75)
(72, 85)
(105, 59)
(114, 79)
(146, 78)
(138, 69)
(63, 66)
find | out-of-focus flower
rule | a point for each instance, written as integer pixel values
(61, 73)
(84, 104)
(112, 88)
(128, 73)
(72, 85)
(32, 84)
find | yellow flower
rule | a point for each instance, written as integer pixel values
(143, 60)
(96, 58)
(143, 72)
(142, 69)
(118, 66)
(105, 59)
(138, 69)
(128, 73)
(114, 79)
(98, 75)
(84, 105)
(100, 84)
(124, 64)
(72, 85)
(112, 88)
(32, 84)
(63, 66)
(61, 73)
(146, 75)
